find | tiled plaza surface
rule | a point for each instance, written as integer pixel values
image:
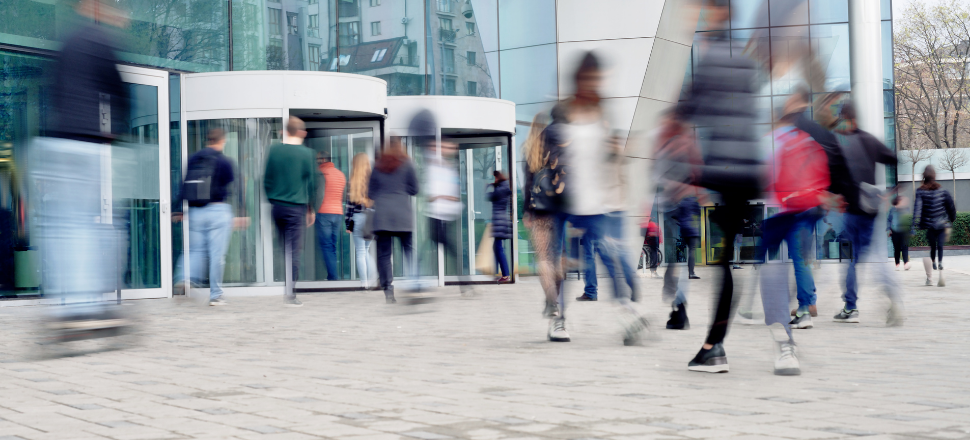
(348, 366)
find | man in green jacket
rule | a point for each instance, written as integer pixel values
(290, 182)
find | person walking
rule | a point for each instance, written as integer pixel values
(290, 182)
(392, 184)
(330, 215)
(500, 196)
(899, 223)
(862, 152)
(722, 98)
(206, 189)
(359, 207)
(934, 212)
(652, 240)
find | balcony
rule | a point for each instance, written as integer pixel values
(447, 35)
(406, 61)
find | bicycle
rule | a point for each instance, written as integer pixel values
(645, 259)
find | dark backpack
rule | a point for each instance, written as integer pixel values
(197, 186)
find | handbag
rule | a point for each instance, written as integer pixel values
(368, 232)
(547, 190)
(485, 257)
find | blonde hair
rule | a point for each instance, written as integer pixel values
(533, 147)
(359, 179)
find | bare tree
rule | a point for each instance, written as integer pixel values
(932, 52)
(952, 159)
(915, 149)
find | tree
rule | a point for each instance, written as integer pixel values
(932, 52)
(915, 149)
(952, 159)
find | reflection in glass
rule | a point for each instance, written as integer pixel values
(750, 236)
(887, 55)
(247, 140)
(788, 47)
(831, 241)
(830, 44)
(529, 75)
(788, 12)
(747, 14)
(526, 23)
(828, 11)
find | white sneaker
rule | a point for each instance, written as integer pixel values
(897, 268)
(557, 330)
(786, 364)
(218, 302)
(906, 266)
(929, 281)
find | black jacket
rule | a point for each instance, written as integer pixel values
(85, 71)
(862, 152)
(222, 175)
(933, 209)
(501, 220)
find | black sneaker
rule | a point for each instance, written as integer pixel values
(710, 361)
(737, 267)
(694, 277)
(678, 319)
(934, 265)
(847, 316)
(585, 298)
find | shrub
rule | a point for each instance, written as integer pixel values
(959, 236)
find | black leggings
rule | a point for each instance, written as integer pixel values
(936, 237)
(901, 246)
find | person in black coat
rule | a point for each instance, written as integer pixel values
(501, 221)
(934, 211)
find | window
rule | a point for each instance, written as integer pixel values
(349, 33)
(378, 55)
(375, 28)
(314, 56)
(445, 24)
(375, 3)
(292, 23)
(449, 86)
(470, 28)
(444, 6)
(274, 21)
(448, 60)
(313, 28)
(347, 8)
(470, 57)
(472, 88)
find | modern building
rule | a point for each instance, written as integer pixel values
(356, 70)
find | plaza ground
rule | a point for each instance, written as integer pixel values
(348, 366)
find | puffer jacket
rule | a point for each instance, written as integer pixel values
(933, 209)
(721, 103)
(501, 221)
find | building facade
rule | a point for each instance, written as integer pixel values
(514, 50)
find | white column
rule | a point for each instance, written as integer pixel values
(865, 40)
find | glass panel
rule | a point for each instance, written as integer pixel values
(886, 8)
(340, 144)
(529, 75)
(749, 238)
(24, 106)
(832, 243)
(526, 23)
(887, 55)
(828, 11)
(788, 46)
(135, 189)
(788, 12)
(175, 156)
(486, 23)
(247, 141)
(830, 43)
(748, 14)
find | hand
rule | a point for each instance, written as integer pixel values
(240, 223)
(176, 217)
(310, 218)
(349, 231)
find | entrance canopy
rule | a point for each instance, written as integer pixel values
(455, 115)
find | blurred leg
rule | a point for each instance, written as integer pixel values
(220, 233)
(591, 288)
(384, 250)
(499, 251)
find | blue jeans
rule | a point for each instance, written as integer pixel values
(500, 258)
(589, 265)
(612, 232)
(859, 229)
(365, 267)
(600, 230)
(210, 229)
(328, 226)
(774, 277)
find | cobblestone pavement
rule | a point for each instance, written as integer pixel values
(348, 366)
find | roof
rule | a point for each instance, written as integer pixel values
(369, 56)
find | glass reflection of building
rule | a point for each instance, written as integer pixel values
(823, 28)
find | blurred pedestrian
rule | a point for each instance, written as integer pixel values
(330, 215)
(722, 98)
(359, 207)
(862, 152)
(934, 212)
(392, 184)
(543, 213)
(799, 183)
(652, 240)
(501, 196)
(206, 188)
(80, 249)
(290, 182)
(899, 223)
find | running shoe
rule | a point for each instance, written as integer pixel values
(292, 302)
(694, 277)
(786, 364)
(812, 310)
(557, 330)
(802, 322)
(847, 316)
(218, 302)
(710, 361)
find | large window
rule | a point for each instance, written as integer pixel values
(470, 58)
(314, 57)
(292, 23)
(375, 28)
(347, 8)
(313, 27)
(471, 88)
(470, 27)
(448, 60)
(349, 33)
(444, 6)
(273, 18)
(449, 87)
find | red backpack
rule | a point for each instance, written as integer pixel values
(801, 171)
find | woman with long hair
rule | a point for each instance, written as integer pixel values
(545, 224)
(358, 208)
(934, 212)
(391, 186)
(501, 221)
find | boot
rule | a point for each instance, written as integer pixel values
(678, 318)
(389, 295)
(928, 266)
(941, 282)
